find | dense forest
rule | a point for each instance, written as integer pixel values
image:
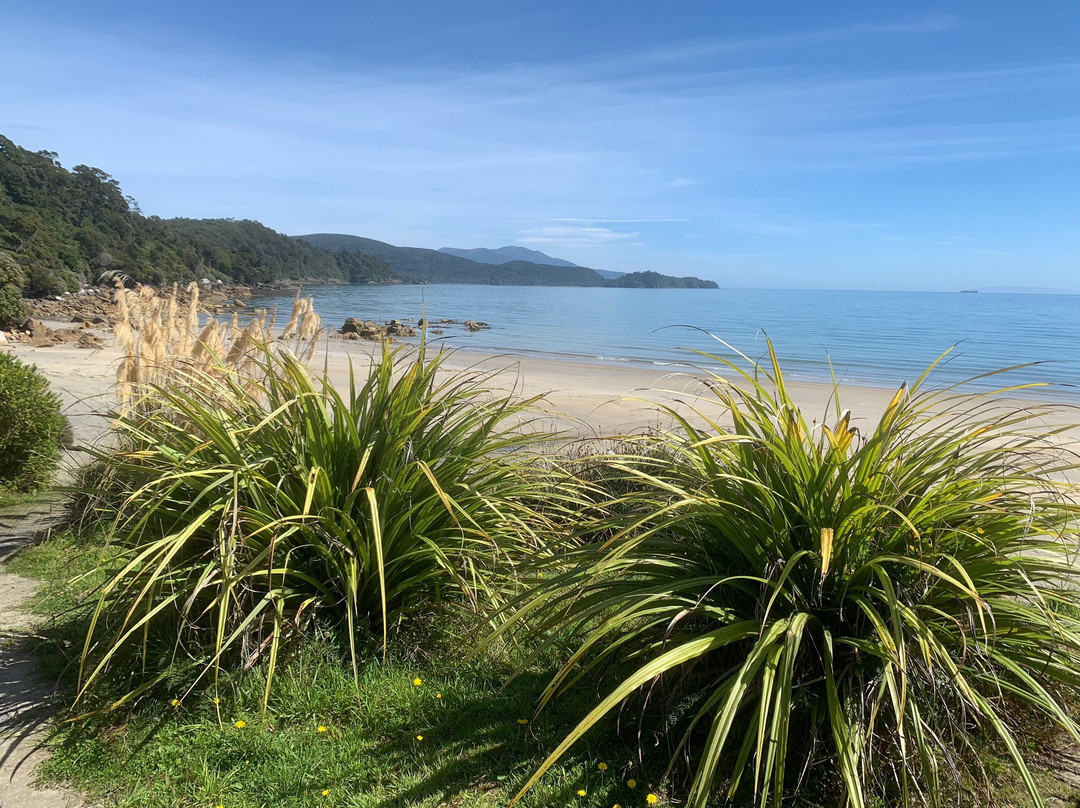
(418, 265)
(61, 229)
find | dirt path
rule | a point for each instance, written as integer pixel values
(26, 702)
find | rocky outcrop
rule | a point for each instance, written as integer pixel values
(355, 328)
(38, 335)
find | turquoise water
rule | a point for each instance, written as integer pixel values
(873, 338)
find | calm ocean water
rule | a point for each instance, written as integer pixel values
(873, 338)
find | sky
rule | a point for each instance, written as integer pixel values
(833, 145)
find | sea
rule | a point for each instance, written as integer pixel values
(863, 337)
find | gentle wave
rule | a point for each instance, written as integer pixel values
(871, 338)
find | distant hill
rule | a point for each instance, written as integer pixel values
(505, 255)
(62, 228)
(420, 265)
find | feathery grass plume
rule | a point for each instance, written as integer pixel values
(159, 335)
(254, 501)
(860, 607)
(191, 320)
(298, 308)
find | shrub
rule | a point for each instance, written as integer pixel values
(811, 601)
(253, 502)
(12, 281)
(12, 310)
(31, 427)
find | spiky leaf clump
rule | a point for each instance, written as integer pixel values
(810, 601)
(253, 501)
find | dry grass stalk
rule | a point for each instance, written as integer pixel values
(160, 336)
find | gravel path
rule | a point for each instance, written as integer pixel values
(26, 702)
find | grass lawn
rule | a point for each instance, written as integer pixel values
(462, 737)
(456, 739)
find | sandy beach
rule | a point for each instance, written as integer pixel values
(579, 399)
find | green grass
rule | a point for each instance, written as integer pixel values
(474, 751)
(12, 499)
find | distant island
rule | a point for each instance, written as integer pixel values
(61, 229)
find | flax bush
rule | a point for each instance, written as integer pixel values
(791, 601)
(255, 501)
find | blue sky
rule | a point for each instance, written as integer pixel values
(846, 145)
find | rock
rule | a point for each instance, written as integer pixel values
(476, 325)
(352, 326)
(398, 329)
(37, 329)
(3, 338)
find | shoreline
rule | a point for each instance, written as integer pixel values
(590, 399)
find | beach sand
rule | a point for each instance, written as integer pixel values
(580, 399)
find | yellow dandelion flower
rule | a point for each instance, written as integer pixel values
(652, 799)
(321, 728)
(980, 531)
(632, 783)
(419, 737)
(438, 695)
(523, 721)
(418, 681)
(240, 724)
(176, 702)
(581, 792)
(616, 805)
(216, 700)
(602, 766)
(326, 792)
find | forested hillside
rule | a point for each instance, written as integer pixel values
(418, 265)
(60, 229)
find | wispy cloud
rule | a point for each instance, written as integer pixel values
(638, 220)
(576, 236)
(610, 154)
(991, 252)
